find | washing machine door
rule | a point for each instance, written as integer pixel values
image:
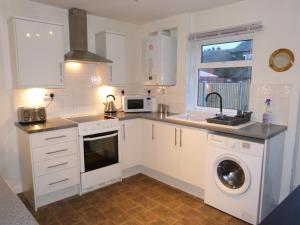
(231, 174)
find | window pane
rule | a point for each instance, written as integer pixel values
(229, 51)
(231, 83)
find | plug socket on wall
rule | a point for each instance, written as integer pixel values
(48, 97)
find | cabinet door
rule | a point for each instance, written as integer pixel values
(115, 51)
(130, 152)
(168, 154)
(192, 156)
(150, 148)
(40, 54)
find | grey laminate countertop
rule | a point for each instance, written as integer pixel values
(51, 124)
(12, 210)
(256, 130)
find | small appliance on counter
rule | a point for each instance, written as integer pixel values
(137, 103)
(110, 107)
(163, 108)
(31, 115)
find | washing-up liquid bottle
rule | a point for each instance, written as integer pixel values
(267, 116)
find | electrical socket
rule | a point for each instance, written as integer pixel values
(48, 97)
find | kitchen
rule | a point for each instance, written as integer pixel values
(81, 96)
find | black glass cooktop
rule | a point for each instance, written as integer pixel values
(90, 118)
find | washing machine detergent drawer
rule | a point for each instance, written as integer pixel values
(233, 176)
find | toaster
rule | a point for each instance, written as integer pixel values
(31, 115)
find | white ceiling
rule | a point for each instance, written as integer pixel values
(138, 11)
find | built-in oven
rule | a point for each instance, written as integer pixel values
(100, 150)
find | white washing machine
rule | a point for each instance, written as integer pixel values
(234, 171)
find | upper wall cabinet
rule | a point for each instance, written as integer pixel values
(111, 45)
(38, 53)
(160, 60)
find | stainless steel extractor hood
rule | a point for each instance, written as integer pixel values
(78, 39)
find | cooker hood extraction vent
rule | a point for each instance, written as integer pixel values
(78, 39)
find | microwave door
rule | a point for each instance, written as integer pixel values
(135, 104)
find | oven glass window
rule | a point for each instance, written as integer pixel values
(100, 150)
(135, 103)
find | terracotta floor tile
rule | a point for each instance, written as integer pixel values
(137, 200)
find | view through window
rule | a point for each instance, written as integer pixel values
(225, 68)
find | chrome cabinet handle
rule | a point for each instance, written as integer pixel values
(57, 182)
(62, 150)
(216, 140)
(124, 131)
(180, 137)
(175, 136)
(61, 164)
(152, 131)
(57, 137)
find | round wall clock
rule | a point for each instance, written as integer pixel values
(281, 60)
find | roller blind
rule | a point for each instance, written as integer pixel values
(226, 32)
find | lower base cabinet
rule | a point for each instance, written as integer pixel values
(130, 143)
(49, 163)
(173, 150)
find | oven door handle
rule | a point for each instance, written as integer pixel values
(99, 138)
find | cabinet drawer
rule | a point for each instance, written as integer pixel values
(54, 165)
(56, 181)
(53, 137)
(55, 151)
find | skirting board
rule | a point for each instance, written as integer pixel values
(57, 195)
(191, 189)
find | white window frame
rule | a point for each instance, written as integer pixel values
(225, 64)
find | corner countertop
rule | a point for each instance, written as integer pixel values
(12, 210)
(51, 124)
(256, 130)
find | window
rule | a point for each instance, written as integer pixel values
(224, 67)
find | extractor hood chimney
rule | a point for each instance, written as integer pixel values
(78, 39)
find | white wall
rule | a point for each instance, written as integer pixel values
(76, 98)
(281, 30)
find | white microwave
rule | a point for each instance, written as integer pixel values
(135, 103)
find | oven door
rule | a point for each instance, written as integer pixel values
(100, 150)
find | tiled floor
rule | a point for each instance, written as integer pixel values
(137, 200)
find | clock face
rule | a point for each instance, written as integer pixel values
(281, 60)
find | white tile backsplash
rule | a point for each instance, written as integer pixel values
(280, 105)
(77, 97)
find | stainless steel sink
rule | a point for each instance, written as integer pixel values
(202, 117)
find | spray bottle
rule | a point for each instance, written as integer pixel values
(267, 116)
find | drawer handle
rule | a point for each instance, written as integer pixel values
(60, 181)
(61, 164)
(51, 138)
(216, 140)
(62, 150)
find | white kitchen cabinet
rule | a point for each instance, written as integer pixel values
(49, 163)
(160, 60)
(175, 151)
(38, 53)
(111, 45)
(130, 145)
(192, 147)
(168, 154)
(150, 147)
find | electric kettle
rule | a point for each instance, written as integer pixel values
(110, 105)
